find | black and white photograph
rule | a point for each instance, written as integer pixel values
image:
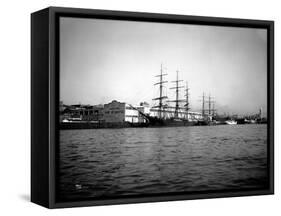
(155, 108)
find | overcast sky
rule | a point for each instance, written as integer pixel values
(105, 60)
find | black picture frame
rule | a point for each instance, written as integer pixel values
(45, 101)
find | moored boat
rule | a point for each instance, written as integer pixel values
(231, 122)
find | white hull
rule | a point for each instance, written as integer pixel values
(231, 122)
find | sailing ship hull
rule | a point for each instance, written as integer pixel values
(171, 123)
(205, 123)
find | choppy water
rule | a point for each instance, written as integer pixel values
(133, 161)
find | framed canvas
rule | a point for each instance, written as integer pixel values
(139, 107)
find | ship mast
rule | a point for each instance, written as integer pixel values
(211, 110)
(203, 105)
(210, 103)
(187, 108)
(160, 105)
(177, 100)
(214, 110)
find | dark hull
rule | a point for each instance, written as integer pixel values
(173, 123)
(207, 123)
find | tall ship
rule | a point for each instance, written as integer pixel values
(174, 112)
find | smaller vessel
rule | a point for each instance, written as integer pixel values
(252, 121)
(231, 122)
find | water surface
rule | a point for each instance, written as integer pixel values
(134, 161)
